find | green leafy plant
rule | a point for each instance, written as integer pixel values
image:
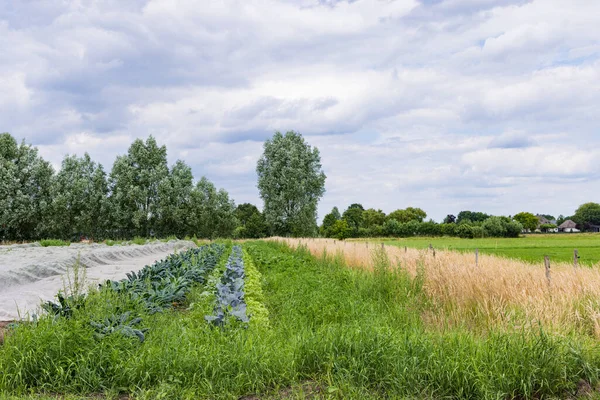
(122, 324)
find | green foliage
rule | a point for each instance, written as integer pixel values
(212, 212)
(254, 297)
(141, 197)
(251, 222)
(465, 231)
(25, 190)
(586, 214)
(175, 202)
(134, 186)
(471, 216)
(341, 230)
(79, 199)
(528, 220)
(329, 221)
(372, 217)
(354, 217)
(54, 242)
(122, 324)
(407, 215)
(290, 182)
(501, 227)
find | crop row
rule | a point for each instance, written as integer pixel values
(156, 287)
(230, 291)
(167, 282)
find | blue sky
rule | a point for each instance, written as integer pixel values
(447, 105)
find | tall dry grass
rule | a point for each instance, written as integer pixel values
(496, 293)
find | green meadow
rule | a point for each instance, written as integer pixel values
(530, 248)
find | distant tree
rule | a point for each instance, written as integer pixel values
(290, 182)
(174, 204)
(471, 216)
(25, 190)
(212, 210)
(527, 219)
(134, 186)
(450, 219)
(354, 216)
(79, 193)
(251, 221)
(494, 227)
(586, 214)
(408, 214)
(329, 221)
(501, 227)
(372, 218)
(340, 229)
(548, 217)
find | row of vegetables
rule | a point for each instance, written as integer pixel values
(157, 287)
(234, 285)
(230, 291)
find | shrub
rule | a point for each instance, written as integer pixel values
(494, 227)
(464, 231)
(448, 229)
(54, 242)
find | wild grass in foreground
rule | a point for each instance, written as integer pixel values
(333, 332)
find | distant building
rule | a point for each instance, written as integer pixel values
(595, 228)
(568, 226)
(545, 221)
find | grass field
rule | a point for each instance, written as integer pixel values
(530, 248)
(330, 321)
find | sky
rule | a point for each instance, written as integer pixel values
(446, 105)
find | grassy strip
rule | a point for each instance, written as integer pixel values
(254, 297)
(361, 334)
(530, 248)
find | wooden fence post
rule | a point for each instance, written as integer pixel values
(576, 258)
(405, 249)
(547, 265)
(476, 257)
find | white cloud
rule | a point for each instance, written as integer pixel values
(450, 105)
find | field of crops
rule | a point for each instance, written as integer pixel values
(314, 319)
(531, 248)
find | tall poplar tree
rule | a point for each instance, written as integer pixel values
(291, 182)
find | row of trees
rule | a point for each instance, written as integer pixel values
(141, 196)
(355, 221)
(358, 222)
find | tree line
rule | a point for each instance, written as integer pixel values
(143, 196)
(356, 221)
(140, 196)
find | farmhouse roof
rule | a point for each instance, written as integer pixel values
(568, 224)
(543, 220)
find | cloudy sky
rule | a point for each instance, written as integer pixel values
(447, 105)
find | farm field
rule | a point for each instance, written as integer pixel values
(531, 248)
(309, 318)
